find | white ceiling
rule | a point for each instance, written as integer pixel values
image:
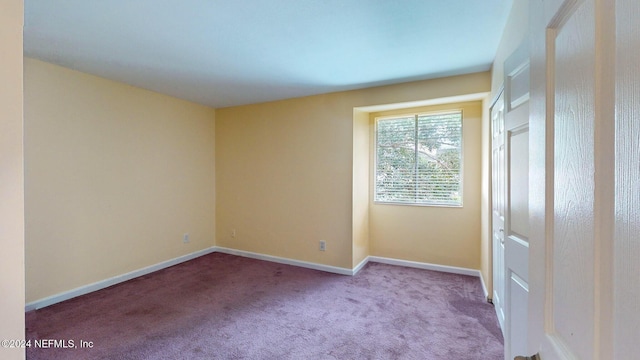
(232, 52)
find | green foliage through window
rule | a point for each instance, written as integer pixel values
(418, 159)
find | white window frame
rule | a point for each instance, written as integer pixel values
(375, 159)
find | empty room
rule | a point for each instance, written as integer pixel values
(319, 179)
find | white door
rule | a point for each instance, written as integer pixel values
(510, 208)
(498, 180)
(585, 179)
(563, 100)
(516, 219)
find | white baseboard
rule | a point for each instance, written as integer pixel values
(38, 304)
(286, 261)
(434, 267)
(50, 300)
(360, 266)
(357, 268)
(484, 288)
(425, 266)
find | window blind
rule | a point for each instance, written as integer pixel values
(419, 159)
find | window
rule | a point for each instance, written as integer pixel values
(419, 159)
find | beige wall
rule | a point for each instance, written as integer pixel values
(438, 235)
(12, 282)
(284, 179)
(361, 185)
(515, 31)
(285, 170)
(115, 175)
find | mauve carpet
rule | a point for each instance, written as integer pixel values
(221, 306)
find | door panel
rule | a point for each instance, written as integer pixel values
(517, 75)
(519, 180)
(574, 164)
(519, 291)
(498, 179)
(517, 245)
(573, 188)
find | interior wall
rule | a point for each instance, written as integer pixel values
(12, 281)
(115, 176)
(433, 234)
(516, 30)
(285, 169)
(361, 186)
(281, 172)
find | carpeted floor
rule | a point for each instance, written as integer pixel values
(221, 306)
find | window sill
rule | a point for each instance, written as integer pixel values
(418, 204)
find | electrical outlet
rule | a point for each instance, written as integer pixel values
(233, 233)
(185, 238)
(323, 245)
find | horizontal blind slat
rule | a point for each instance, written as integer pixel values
(428, 173)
